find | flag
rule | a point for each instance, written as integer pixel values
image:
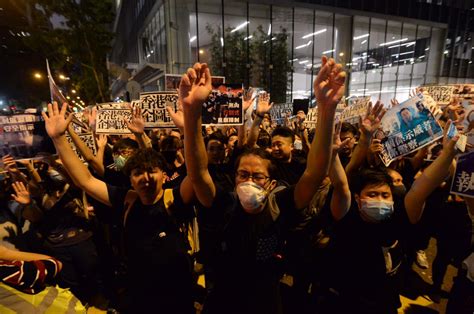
(57, 95)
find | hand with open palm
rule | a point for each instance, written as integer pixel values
(329, 85)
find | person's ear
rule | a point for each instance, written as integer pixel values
(272, 185)
(357, 199)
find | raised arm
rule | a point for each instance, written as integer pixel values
(194, 89)
(341, 196)
(96, 163)
(368, 125)
(329, 89)
(431, 178)
(137, 126)
(263, 107)
(56, 125)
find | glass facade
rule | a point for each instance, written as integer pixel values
(279, 48)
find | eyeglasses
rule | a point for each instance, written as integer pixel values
(256, 177)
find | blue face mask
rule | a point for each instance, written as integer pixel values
(376, 211)
(119, 162)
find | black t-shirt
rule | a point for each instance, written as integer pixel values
(242, 250)
(174, 176)
(158, 264)
(366, 260)
(289, 173)
(222, 176)
(116, 178)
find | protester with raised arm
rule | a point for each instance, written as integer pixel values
(249, 222)
(158, 264)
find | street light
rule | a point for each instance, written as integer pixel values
(62, 77)
(68, 97)
(73, 91)
(37, 75)
(78, 97)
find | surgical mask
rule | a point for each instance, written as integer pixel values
(376, 211)
(399, 191)
(119, 162)
(298, 145)
(251, 196)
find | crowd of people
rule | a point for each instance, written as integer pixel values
(278, 219)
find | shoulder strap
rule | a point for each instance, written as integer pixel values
(168, 199)
(130, 199)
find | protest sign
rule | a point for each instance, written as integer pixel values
(172, 81)
(153, 105)
(89, 141)
(23, 136)
(279, 112)
(224, 106)
(311, 118)
(463, 180)
(112, 121)
(357, 107)
(407, 128)
(441, 94)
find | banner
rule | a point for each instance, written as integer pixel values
(23, 136)
(153, 105)
(224, 106)
(172, 81)
(357, 108)
(112, 121)
(407, 128)
(441, 94)
(463, 180)
(88, 139)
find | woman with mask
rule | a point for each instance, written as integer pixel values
(245, 227)
(367, 254)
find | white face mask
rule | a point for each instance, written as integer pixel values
(298, 144)
(376, 211)
(251, 196)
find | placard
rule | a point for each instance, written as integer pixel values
(224, 106)
(153, 105)
(407, 128)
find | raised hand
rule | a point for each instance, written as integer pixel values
(55, 121)
(137, 124)
(22, 196)
(248, 99)
(337, 144)
(264, 105)
(329, 84)
(101, 140)
(394, 102)
(177, 117)
(371, 122)
(195, 87)
(10, 164)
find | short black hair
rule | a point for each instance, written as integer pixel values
(259, 152)
(375, 176)
(347, 127)
(170, 143)
(216, 136)
(124, 143)
(404, 109)
(284, 131)
(144, 159)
